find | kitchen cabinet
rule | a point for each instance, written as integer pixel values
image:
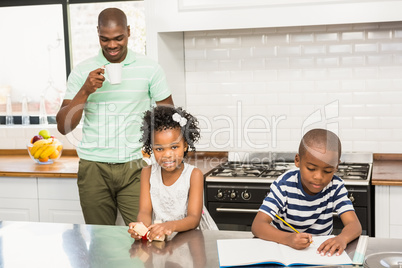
(18, 199)
(388, 221)
(41, 199)
(59, 200)
(194, 15)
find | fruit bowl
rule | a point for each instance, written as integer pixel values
(45, 151)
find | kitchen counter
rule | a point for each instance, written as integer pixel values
(29, 244)
(387, 169)
(17, 163)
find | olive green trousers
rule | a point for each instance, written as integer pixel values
(106, 187)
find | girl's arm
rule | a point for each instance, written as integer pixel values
(194, 209)
(145, 210)
(145, 207)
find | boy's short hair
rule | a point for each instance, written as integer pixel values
(320, 138)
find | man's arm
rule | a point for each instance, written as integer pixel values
(167, 101)
(70, 112)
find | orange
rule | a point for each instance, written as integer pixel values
(59, 148)
(54, 155)
(45, 159)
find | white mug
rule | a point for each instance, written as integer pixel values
(113, 73)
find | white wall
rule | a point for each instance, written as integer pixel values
(283, 81)
(280, 81)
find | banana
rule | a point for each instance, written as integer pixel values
(38, 144)
(48, 150)
(39, 151)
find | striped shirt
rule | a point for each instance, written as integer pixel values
(113, 114)
(306, 213)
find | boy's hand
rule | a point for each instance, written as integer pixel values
(299, 240)
(332, 245)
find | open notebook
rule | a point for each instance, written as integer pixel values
(238, 252)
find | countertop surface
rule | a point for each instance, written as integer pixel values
(34, 244)
(17, 163)
(387, 169)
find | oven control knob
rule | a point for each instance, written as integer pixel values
(233, 195)
(219, 195)
(352, 198)
(246, 195)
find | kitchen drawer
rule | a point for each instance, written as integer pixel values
(58, 188)
(18, 187)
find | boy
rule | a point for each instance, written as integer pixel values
(306, 197)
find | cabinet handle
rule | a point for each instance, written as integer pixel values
(233, 210)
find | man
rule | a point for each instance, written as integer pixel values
(110, 150)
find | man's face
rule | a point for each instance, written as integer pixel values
(113, 40)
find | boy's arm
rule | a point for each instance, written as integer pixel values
(351, 230)
(263, 229)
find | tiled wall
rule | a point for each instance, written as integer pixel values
(259, 89)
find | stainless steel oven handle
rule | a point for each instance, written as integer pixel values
(242, 210)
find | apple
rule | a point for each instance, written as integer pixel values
(36, 138)
(44, 133)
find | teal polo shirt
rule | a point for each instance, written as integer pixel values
(113, 114)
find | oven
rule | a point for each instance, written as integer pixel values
(235, 189)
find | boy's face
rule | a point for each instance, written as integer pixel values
(317, 167)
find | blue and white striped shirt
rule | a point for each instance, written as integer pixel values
(306, 213)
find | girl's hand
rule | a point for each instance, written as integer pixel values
(332, 245)
(299, 240)
(158, 230)
(132, 232)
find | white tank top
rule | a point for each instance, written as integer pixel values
(169, 203)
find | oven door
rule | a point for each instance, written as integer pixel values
(233, 216)
(361, 213)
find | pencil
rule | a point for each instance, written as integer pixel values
(289, 225)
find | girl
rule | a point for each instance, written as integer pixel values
(171, 190)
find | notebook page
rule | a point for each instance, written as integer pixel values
(309, 255)
(235, 252)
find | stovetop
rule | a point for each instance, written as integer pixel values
(267, 172)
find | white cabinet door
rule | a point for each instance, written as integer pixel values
(388, 219)
(60, 211)
(59, 200)
(18, 199)
(395, 216)
(18, 209)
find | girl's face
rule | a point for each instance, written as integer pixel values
(169, 147)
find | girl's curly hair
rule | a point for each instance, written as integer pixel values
(161, 118)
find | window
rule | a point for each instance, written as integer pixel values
(33, 57)
(33, 39)
(84, 20)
